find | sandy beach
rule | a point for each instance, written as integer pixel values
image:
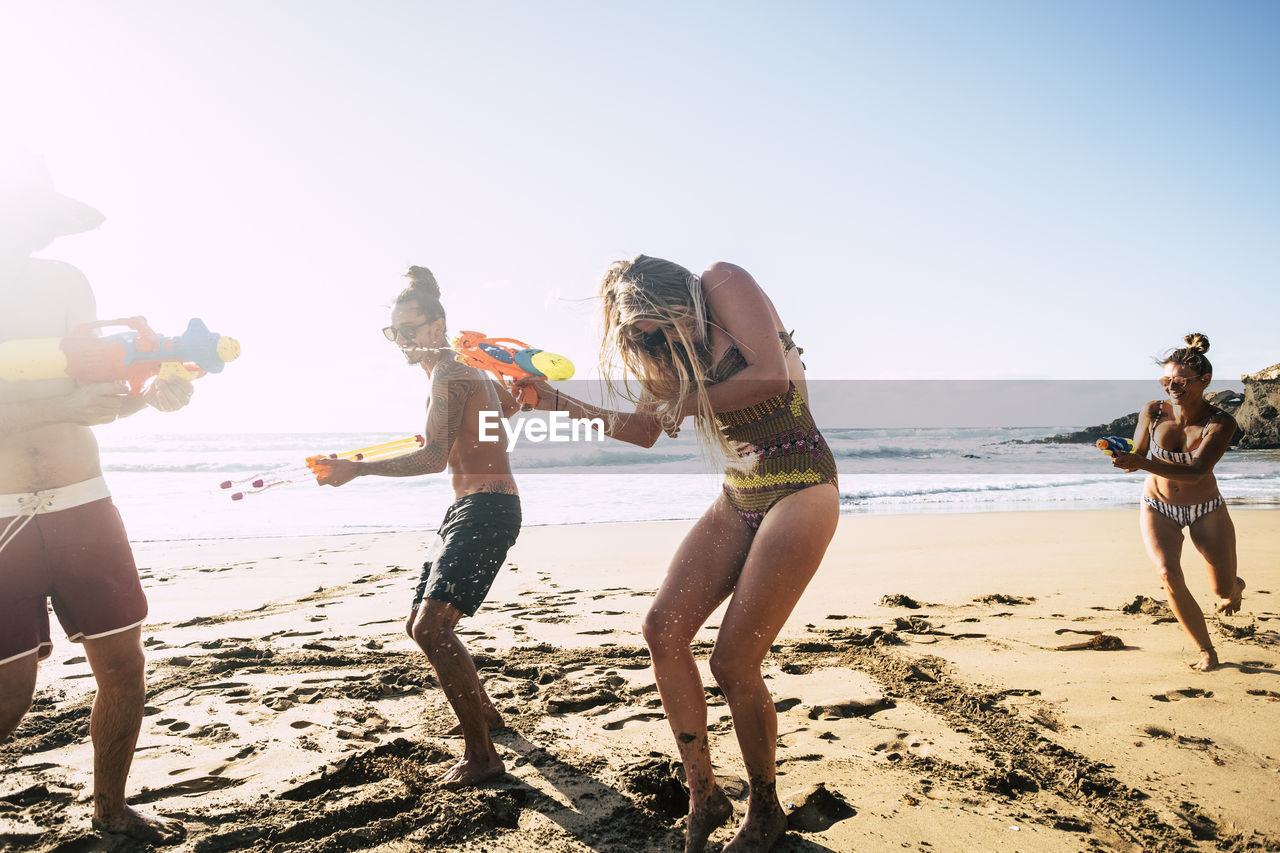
(924, 700)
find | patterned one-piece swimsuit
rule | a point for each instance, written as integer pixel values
(787, 453)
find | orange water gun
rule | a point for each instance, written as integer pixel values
(134, 356)
(511, 360)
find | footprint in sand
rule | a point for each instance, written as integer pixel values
(902, 745)
(619, 722)
(1187, 693)
(724, 724)
(1002, 598)
(186, 788)
(580, 701)
(850, 708)
(215, 732)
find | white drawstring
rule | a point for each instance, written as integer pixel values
(29, 506)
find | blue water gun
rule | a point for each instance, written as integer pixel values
(1112, 444)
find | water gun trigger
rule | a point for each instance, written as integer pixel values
(526, 395)
(319, 466)
(180, 370)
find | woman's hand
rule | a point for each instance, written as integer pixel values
(547, 395)
(1128, 462)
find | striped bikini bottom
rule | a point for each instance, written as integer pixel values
(1183, 516)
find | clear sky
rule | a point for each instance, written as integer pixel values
(925, 189)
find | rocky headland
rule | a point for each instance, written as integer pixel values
(1257, 411)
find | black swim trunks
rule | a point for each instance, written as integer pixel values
(477, 531)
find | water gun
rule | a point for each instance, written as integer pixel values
(511, 360)
(134, 356)
(1111, 445)
(316, 465)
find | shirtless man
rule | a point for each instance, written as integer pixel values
(478, 529)
(63, 539)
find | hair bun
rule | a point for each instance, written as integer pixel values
(1197, 341)
(422, 278)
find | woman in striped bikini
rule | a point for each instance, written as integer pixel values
(713, 347)
(1186, 436)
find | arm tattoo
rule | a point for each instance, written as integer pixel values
(451, 386)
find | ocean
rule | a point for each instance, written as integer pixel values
(168, 486)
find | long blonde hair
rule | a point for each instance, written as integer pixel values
(672, 363)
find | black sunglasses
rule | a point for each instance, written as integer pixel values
(391, 333)
(652, 340)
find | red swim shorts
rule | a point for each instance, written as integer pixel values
(78, 557)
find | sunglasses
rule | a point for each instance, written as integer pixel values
(1177, 381)
(404, 333)
(653, 340)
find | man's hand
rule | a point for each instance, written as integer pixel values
(94, 404)
(169, 394)
(336, 472)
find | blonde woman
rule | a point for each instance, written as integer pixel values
(1186, 437)
(712, 347)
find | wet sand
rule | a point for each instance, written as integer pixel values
(925, 702)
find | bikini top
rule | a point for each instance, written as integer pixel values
(741, 424)
(1179, 457)
(734, 361)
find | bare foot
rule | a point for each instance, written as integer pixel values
(705, 819)
(468, 772)
(1230, 606)
(763, 827)
(142, 826)
(491, 716)
(1208, 660)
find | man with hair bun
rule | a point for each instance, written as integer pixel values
(1186, 436)
(479, 528)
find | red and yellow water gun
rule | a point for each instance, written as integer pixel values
(511, 360)
(133, 356)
